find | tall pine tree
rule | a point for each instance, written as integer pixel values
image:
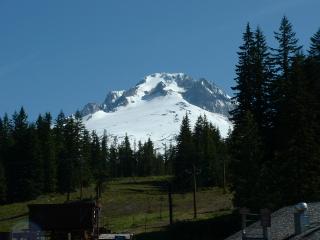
(283, 57)
(247, 145)
(185, 155)
(247, 153)
(47, 151)
(244, 89)
(3, 149)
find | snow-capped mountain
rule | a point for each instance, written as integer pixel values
(155, 107)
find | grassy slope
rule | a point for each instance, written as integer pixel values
(135, 205)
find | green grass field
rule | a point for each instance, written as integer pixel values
(134, 205)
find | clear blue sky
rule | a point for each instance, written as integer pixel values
(61, 54)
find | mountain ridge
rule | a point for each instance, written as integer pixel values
(219, 102)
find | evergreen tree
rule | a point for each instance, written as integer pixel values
(147, 162)
(204, 150)
(149, 158)
(103, 174)
(250, 118)
(168, 158)
(104, 155)
(254, 74)
(207, 151)
(5, 146)
(114, 160)
(98, 162)
(3, 149)
(3, 184)
(16, 166)
(95, 155)
(283, 57)
(25, 168)
(262, 78)
(139, 159)
(314, 50)
(126, 159)
(47, 151)
(34, 166)
(288, 48)
(298, 154)
(86, 170)
(244, 89)
(271, 143)
(171, 158)
(61, 152)
(198, 136)
(214, 154)
(6, 151)
(158, 166)
(70, 163)
(247, 153)
(185, 155)
(312, 75)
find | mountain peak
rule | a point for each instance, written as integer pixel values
(202, 93)
(155, 107)
(166, 75)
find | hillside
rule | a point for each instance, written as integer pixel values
(133, 205)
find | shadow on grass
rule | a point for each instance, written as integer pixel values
(217, 228)
(13, 217)
(160, 185)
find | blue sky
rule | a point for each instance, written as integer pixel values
(62, 54)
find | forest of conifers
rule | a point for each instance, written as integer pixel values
(270, 159)
(61, 156)
(275, 145)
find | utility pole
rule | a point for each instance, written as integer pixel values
(68, 195)
(81, 190)
(194, 193)
(81, 180)
(224, 175)
(161, 200)
(170, 203)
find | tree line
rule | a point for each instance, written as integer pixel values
(275, 147)
(60, 155)
(49, 156)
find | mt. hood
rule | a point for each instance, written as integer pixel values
(154, 108)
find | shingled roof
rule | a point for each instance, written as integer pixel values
(282, 225)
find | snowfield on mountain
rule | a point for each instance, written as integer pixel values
(154, 109)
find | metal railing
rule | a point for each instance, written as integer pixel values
(265, 219)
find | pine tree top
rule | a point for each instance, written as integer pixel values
(314, 50)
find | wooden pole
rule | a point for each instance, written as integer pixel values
(81, 180)
(97, 191)
(224, 176)
(81, 190)
(161, 199)
(68, 196)
(170, 203)
(194, 193)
